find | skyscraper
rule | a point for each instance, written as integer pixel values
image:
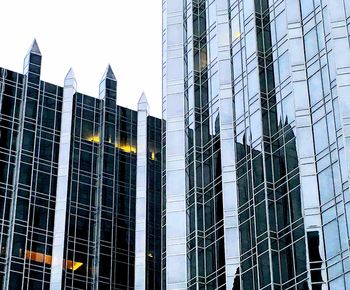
(80, 183)
(256, 144)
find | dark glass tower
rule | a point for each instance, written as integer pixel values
(72, 169)
(256, 152)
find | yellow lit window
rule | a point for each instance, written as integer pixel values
(126, 148)
(94, 139)
(47, 259)
(71, 265)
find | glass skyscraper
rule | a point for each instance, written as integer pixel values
(80, 186)
(244, 184)
(256, 144)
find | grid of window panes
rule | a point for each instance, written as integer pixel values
(275, 248)
(34, 133)
(163, 206)
(117, 232)
(82, 200)
(101, 207)
(328, 136)
(24, 171)
(124, 247)
(100, 227)
(11, 87)
(205, 227)
(43, 188)
(153, 224)
(272, 235)
(107, 181)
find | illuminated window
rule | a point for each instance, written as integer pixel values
(126, 148)
(38, 257)
(71, 265)
(94, 139)
(47, 259)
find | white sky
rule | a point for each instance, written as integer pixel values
(88, 35)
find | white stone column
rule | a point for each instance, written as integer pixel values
(341, 52)
(228, 147)
(141, 195)
(62, 182)
(174, 115)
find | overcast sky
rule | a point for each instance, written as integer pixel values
(88, 35)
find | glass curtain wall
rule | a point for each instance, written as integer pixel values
(98, 235)
(101, 207)
(204, 201)
(30, 130)
(153, 224)
(272, 235)
(290, 154)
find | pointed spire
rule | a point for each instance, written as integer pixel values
(108, 89)
(35, 48)
(142, 104)
(143, 99)
(33, 56)
(109, 73)
(69, 80)
(70, 74)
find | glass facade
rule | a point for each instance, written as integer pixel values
(153, 232)
(68, 185)
(29, 142)
(244, 184)
(256, 144)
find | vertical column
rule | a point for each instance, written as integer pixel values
(228, 162)
(340, 38)
(106, 180)
(62, 181)
(305, 142)
(341, 52)
(174, 111)
(141, 194)
(24, 170)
